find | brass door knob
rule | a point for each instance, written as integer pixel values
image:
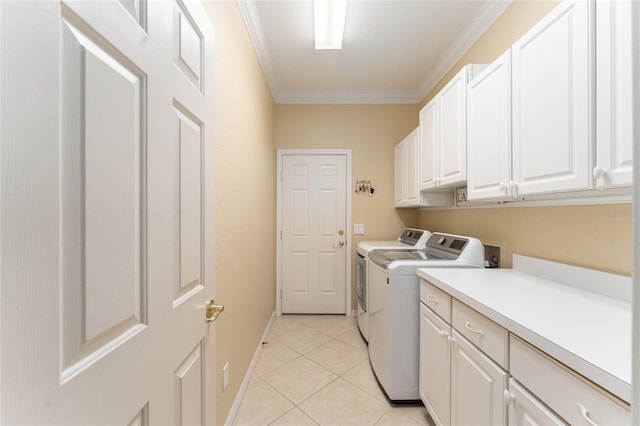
(213, 311)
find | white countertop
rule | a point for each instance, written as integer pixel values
(588, 331)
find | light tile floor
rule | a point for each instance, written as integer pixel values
(315, 370)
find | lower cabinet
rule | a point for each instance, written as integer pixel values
(459, 384)
(477, 386)
(474, 372)
(435, 365)
(568, 394)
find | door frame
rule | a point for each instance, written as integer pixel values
(309, 152)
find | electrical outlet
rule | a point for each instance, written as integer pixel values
(358, 229)
(225, 376)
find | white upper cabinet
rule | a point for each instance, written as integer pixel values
(614, 107)
(406, 159)
(552, 83)
(452, 155)
(443, 134)
(428, 147)
(489, 132)
(398, 171)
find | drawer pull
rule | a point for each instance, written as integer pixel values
(432, 299)
(473, 330)
(585, 414)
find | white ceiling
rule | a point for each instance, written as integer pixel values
(394, 51)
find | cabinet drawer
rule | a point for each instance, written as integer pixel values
(436, 299)
(525, 409)
(481, 331)
(564, 391)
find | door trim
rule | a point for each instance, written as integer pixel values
(280, 154)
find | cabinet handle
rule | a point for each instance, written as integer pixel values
(444, 333)
(599, 174)
(585, 414)
(473, 330)
(503, 187)
(432, 299)
(514, 188)
(508, 397)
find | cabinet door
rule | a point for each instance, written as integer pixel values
(435, 365)
(428, 149)
(614, 108)
(398, 174)
(489, 132)
(526, 410)
(477, 386)
(453, 131)
(412, 160)
(552, 69)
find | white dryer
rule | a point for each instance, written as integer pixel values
(409, 239)
(394, 306)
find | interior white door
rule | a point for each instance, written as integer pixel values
(314, 234)
(106, 223)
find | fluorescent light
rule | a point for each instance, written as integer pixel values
(328, 23)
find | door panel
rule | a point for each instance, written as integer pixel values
(313, 214)
(190, 146)
(106, 244)
(189, 382)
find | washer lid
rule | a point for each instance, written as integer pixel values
(385, 257)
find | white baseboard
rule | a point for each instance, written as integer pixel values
(247, 377)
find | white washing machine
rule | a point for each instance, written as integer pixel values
(394, 306)
(409, 239)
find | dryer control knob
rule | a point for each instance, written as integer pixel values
(442, 240)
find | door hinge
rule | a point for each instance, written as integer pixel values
(280, 234)
(280, 294)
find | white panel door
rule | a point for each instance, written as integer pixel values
(314, 234)
(552, 68)
(399, 174)
(428, 145)
(106, 213)
(452, 130)
(411, 160)
(489, 131)
(435, 365)
(614, 108)
(477, 386)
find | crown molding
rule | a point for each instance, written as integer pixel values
(345, 97)
(485, 18)
(254, 27)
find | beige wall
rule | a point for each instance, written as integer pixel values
(245, 199)
(371, 132)
(596, 236)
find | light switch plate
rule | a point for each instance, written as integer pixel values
(358, 229)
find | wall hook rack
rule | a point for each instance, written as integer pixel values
(364, 186)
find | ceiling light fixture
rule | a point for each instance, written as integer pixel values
(328, 23)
